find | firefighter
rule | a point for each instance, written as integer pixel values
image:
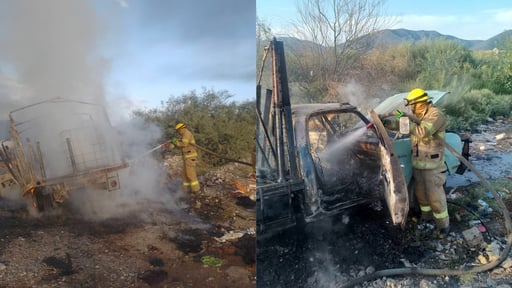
(427, 122)
(189, 153)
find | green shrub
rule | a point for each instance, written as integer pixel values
(225, 127)
(473, 108)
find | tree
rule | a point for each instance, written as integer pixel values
(441, 64)
(468, 110)
(263, 33)
(495, 71)
(337, 27)
(222, 126)
(263, 37)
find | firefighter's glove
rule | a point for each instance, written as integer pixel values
(399, 114)
(174, 141)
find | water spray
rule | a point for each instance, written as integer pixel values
(148, 152)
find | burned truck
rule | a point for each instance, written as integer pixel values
(57, 147)
(320, 160)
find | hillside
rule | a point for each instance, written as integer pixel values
(390, 37)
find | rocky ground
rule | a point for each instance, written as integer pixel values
(204, 240)
(335, 251)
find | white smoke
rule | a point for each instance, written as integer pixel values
(326, 273)
(145, 186)
(50, 49)
(355, 94)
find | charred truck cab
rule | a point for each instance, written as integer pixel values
(317, 160)
(337, 156)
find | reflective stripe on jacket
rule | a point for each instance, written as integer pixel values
(427, 151)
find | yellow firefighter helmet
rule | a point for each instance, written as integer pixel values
(415, 96)
(180, 125)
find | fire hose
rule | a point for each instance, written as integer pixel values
(222, 157)
(448, 272)
(198, 147)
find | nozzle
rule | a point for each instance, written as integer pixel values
(369, 125)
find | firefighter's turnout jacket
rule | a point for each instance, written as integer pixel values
(427, 151)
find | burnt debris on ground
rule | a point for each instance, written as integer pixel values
(153, 245)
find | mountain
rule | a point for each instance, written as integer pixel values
(390, 37)
(293, 44)
(491, 42)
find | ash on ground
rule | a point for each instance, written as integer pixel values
(203, 240)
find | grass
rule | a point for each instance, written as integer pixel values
(478, 191)
(467, 278)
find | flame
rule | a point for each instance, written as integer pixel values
(239, 186)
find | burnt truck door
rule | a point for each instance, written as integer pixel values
(354, 163)
(396, 193)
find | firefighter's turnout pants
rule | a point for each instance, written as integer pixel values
(188, 175)
(189, 152)
(428, 187)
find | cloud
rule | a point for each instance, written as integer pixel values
(174, 44)
(425, 22)
(204, 39)
(503, 16)
(199, 21)
(213, 61)
(122, 3)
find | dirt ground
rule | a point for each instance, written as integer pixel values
(208, 241)
(334, 251)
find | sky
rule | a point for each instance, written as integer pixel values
(134, 54)
(129, 54)
(468, 20)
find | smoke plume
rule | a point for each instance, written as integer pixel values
(356, 94)
(49, 52)
(50, 47)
